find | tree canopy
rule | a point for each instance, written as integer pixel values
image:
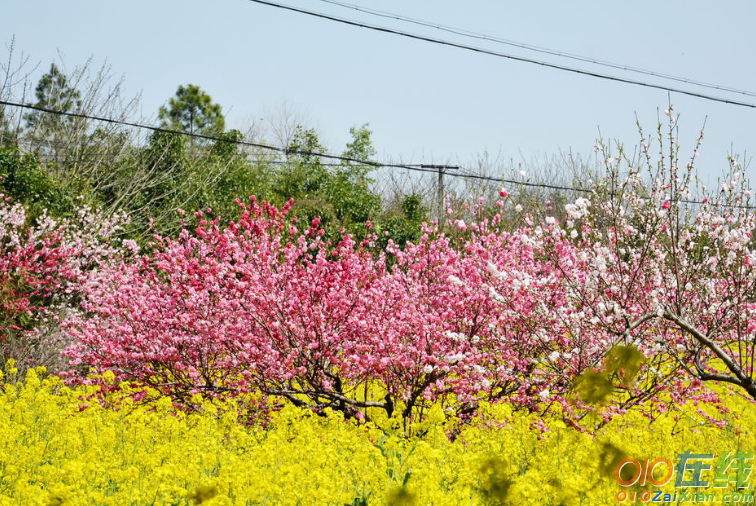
(53, 91)
(192, 110)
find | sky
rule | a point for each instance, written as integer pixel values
(425, 103)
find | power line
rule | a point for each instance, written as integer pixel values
(537, 49)
(279, 149)
(505, 55)
(434, 169)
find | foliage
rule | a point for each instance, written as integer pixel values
(166, 176)
(403, 224)
(166, 157)
(350, 188)
(113, 168)
(192, 110)
(22, 178)
(340, 197)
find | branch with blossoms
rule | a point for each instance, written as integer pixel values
(651, 269)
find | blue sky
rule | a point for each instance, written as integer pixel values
(424, 102)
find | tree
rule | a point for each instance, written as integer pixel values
(402, 222)
(81, 158)
(657, 275)
(261, 305)
(339, 196)
(349, 188)
(44, 264)
(192, 110)
(23, 179)
(53, 91)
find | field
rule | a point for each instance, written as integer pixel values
(94, 445)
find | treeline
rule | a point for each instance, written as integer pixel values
(56, 163)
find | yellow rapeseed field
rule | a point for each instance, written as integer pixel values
(64, 446)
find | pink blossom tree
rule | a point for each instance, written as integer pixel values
(41, 267)
(259, 305)
(254, 305)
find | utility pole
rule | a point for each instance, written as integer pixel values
(440, 190)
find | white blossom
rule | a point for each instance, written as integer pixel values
(453, 359)
(454, 280)
(493, 270)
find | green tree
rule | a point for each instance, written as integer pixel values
(303, 178)
(192, 110)
(53, 91)
(361, 147)
(402, 221)
(349, 187)
(22, 178)
(168, 171)
(155, 181)
(222, 175)
(340, 196)
(305, 173)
